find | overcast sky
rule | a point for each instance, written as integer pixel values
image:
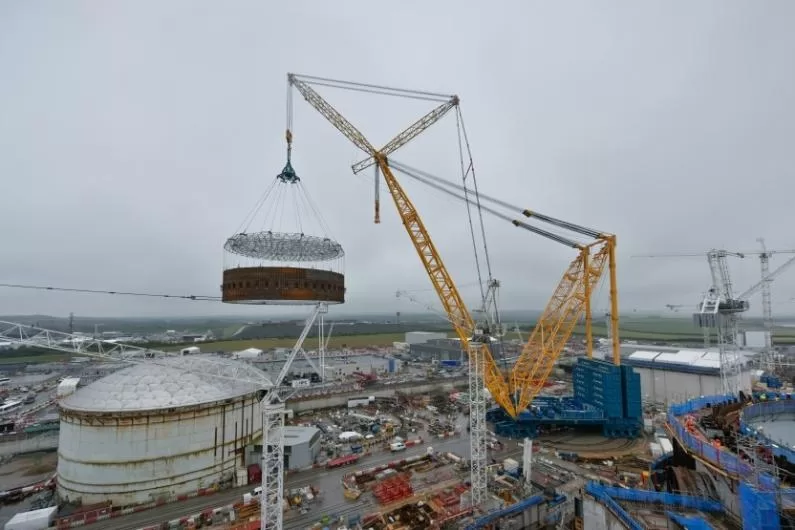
(135, 136)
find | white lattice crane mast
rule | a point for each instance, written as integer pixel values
(764, 285)
(719, 310)
(271, 405)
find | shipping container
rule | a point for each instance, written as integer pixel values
(254, 474)
(360, 401)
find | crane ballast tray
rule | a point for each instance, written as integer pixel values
(275, 267)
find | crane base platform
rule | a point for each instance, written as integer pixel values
(605, 395)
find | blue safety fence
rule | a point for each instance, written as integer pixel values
(698, 445)
(514, 509)
(689, 522)
(693, 405)
(599, 493)
(668, 499)
(758, 509)
(723, 458)
(768, 409)
(609, 496)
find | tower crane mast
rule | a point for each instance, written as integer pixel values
(764, 285)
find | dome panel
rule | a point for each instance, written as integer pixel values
(159, 385)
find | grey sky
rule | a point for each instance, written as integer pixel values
(136, 135)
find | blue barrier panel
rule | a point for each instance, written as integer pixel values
(599, 493)
(505, 512)
(689, 522)
(669, 499)
(758, 509)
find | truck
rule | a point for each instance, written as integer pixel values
(360, 401)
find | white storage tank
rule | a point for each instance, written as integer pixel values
(151, 431)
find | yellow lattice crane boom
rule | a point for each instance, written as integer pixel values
(443, 284)
(571, 299)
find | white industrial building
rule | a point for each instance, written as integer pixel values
(421, 337)
(248, 353)
(675, 376)
(151, 431)
(301, 446)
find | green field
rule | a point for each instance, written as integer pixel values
(34, 359)
(638, 328)
(351, 341)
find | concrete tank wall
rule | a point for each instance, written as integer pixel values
(129, 458)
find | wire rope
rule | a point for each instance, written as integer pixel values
(200, 298)
(469, 212)
(371, 88)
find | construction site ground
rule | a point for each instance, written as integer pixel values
(331, 504)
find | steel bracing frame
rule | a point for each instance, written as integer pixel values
(219, 368)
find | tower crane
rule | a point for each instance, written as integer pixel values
(571, 298)
(271, 403)
(720, 308)
(764, 286)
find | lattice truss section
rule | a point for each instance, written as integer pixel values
(556, 324)
(81, 345)
(277, 246)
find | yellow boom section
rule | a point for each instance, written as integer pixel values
(445, 288)
(555, 325)
(449, 296)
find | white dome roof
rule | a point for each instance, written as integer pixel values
(167, 383)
